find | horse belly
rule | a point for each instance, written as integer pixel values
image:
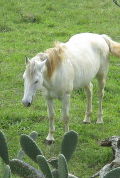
(85, 69)
(82, 79)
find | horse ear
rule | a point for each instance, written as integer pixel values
(42, 63)
(27, 60)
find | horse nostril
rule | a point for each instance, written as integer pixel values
(28, 104)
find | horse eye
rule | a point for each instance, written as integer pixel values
(36, 82)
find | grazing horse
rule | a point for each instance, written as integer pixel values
(69, 66)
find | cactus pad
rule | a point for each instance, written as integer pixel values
(24, 170)
(69, 144)
(34, 135)
(42, 162)
(7, 172)
(62, 167)
(30, 147)
(115, 173)
(54, 162)
(3, 148)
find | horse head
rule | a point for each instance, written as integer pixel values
(33, 79)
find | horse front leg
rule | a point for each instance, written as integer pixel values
(65, 111)
(51, 114)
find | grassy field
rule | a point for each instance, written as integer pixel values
(28, 27)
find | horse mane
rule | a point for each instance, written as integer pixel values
(55, 57)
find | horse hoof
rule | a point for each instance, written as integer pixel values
(86, 122)
(49, 142)
(99, 122)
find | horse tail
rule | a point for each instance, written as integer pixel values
(114, 46)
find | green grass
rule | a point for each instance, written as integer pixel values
(28, 27)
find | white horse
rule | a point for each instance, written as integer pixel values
(69, 66)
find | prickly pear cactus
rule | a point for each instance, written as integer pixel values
(55, 173)
(53, 162)
(115, 173)
(21, 153)
(34, 135)
(62, 170)
(62, 167)
(24, 170)
(69, 144)
(7, 172)
(30, 147)
(3, 148)
(43, 164)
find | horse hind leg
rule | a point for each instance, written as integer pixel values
(89, 92)
(101, 83)
(65, 111)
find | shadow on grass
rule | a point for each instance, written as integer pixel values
(5, 28)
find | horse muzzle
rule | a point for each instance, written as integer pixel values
(26, 103)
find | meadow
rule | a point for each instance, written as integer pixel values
(31, 26)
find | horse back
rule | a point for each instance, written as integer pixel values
(88, 55)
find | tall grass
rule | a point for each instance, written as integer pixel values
(28, 27)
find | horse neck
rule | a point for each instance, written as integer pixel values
(46, 80)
